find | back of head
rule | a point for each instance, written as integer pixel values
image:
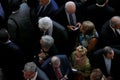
(47, 41)
(30, 66)
(14, 4)
(88, 27)
(4, 35)
(100, 2)
(96, 74)
(82, 50)
(45, 23)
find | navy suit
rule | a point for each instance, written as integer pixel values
(108, 37)
(64, 67)
(50, 9)
(98, 62)
(11, 61)
(41, 75)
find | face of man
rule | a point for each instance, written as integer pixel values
(110, 56)
(43, 2)
(28, 75)
(71, 9)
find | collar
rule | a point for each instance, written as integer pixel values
(34, 78)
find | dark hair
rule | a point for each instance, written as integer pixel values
(14, 4)
(107, 50)
(96, 74)
(100, 2)
(4, 35)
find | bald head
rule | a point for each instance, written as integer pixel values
(55, 61)
(115, 22)
(70, 7)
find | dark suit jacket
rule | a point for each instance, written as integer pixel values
(41, 75)
(99, 15)
(50, 10)
(108, 37)
(65, 67)
(60, 37)
(98, 62)
(11, 61)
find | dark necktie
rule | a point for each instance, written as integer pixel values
(58, 73)
(71, 19)
(41, 11)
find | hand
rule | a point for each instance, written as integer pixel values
(71, 27)
(42, 55)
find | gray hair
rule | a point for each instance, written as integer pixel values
(69, 4)
(45, 23)
(47, 41)
(107, 50)
(30, 66)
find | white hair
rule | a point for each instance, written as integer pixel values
(69, 4)
(46, 24)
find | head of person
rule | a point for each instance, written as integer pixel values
(14, 4)
(55, 61)
(46, 42)
(115, 22)
(4, 35)
(29, 70)
(45, 23)
(108, 52)
(44, 2)
(101, 3)
(97, 74)
(87, 27)
(70, 7)
(80, 52)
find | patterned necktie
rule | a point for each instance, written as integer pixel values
(71, 19)
(58, 73)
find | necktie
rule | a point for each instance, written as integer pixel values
(58, 73)
(71, 19)
(41, 11)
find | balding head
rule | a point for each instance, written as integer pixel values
(115, 22)
(55, 61)
(70, 7)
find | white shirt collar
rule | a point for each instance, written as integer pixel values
(34, 78)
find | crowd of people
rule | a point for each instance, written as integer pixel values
(59, 40)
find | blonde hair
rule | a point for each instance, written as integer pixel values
(88, 27)
(81, 49)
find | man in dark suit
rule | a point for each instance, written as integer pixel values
(108, 60)
(57, 67)
(11, 57)
(110, 33)
(32, 72)
(69, 16)
(50, 8)
(22, 31)
(99, 13)
(57, 31)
